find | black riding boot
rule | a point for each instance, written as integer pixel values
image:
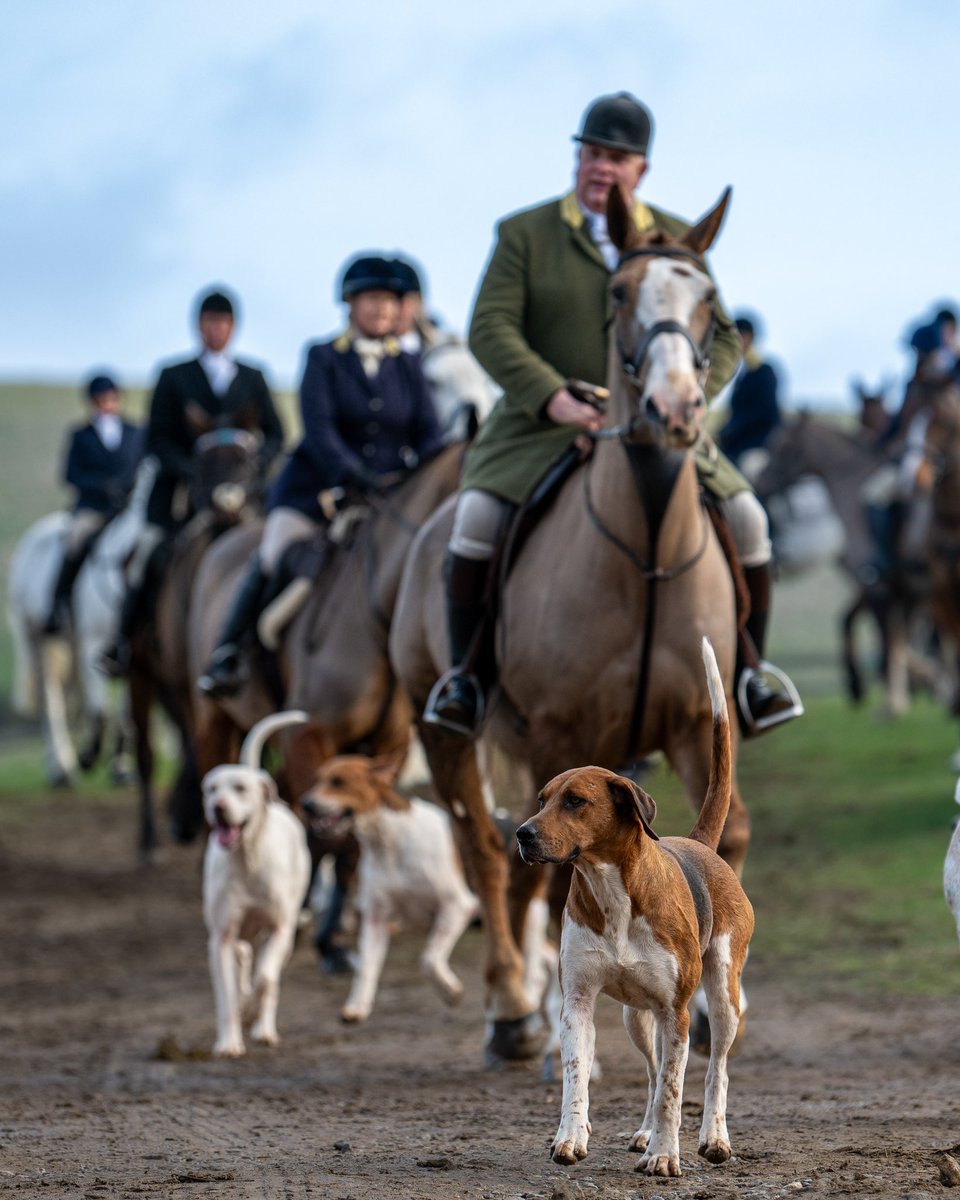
(115, 660)
(60, 606)
(227, 670)
(458, 700)
(760, 706)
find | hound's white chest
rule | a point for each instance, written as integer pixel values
(407, 863)
(626, 960)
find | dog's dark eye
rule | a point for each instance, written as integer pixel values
(573, 801)
(540, 803)
(241, 787)
(336, 781)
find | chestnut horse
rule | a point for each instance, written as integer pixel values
(607, 602)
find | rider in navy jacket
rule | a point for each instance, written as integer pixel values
(101, 464)
(103, 476)
(357, 429)
(367, 415)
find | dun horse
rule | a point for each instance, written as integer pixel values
(608, 601)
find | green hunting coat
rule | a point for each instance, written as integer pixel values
(540, 319)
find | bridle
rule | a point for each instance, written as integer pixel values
(633, 363)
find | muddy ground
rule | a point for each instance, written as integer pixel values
(105, 1091)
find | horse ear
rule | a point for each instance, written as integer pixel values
(702, 236)
(642, 805)
(620, 224)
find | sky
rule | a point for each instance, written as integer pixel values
(149, 150)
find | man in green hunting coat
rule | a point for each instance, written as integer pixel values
(541, 320)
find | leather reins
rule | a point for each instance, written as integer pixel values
(633, 366)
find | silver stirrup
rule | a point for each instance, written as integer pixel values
(432, 717)
(778, 718)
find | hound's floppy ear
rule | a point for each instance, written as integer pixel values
(387, 767)
(269, 786)
(640, 803)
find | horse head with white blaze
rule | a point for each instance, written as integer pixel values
(664, 315)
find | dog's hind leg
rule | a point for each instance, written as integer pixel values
(639, 1025)
(662, 1155)
(452, 919)
(273, 954)
(721, 979)
(244, 973)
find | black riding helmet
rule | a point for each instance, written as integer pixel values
(618, 122)
(370, 273)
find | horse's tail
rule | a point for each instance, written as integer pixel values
(256, 739)
(25, 698)
(716, 803)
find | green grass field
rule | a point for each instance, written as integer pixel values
(851, 816)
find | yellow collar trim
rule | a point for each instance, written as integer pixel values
(344, 343)
(572, 214)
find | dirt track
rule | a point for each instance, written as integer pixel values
(105, 980)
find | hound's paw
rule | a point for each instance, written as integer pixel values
(569, 1150)
(452, 992)
(714, 1152)
(639, 1142)
(665, 1165)
(229, 1048)
(265, 1037)
(351, 1014)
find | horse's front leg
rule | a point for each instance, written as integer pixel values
(61, 758)
(142, 695)
(453, 765)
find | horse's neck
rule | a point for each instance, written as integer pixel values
(393, 529)
(647, 497)
(840, 460)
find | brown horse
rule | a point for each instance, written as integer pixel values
(333, 660)
(601, 617)
(845, 460)
(943, 455)
(226, 491)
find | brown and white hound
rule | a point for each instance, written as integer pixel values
(646, 919)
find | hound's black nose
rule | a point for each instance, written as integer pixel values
(526, 836)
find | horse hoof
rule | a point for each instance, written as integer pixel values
(334, 960)
(62, 781)
(514, 1040)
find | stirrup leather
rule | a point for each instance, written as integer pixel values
(760, 725)
(432, 717)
